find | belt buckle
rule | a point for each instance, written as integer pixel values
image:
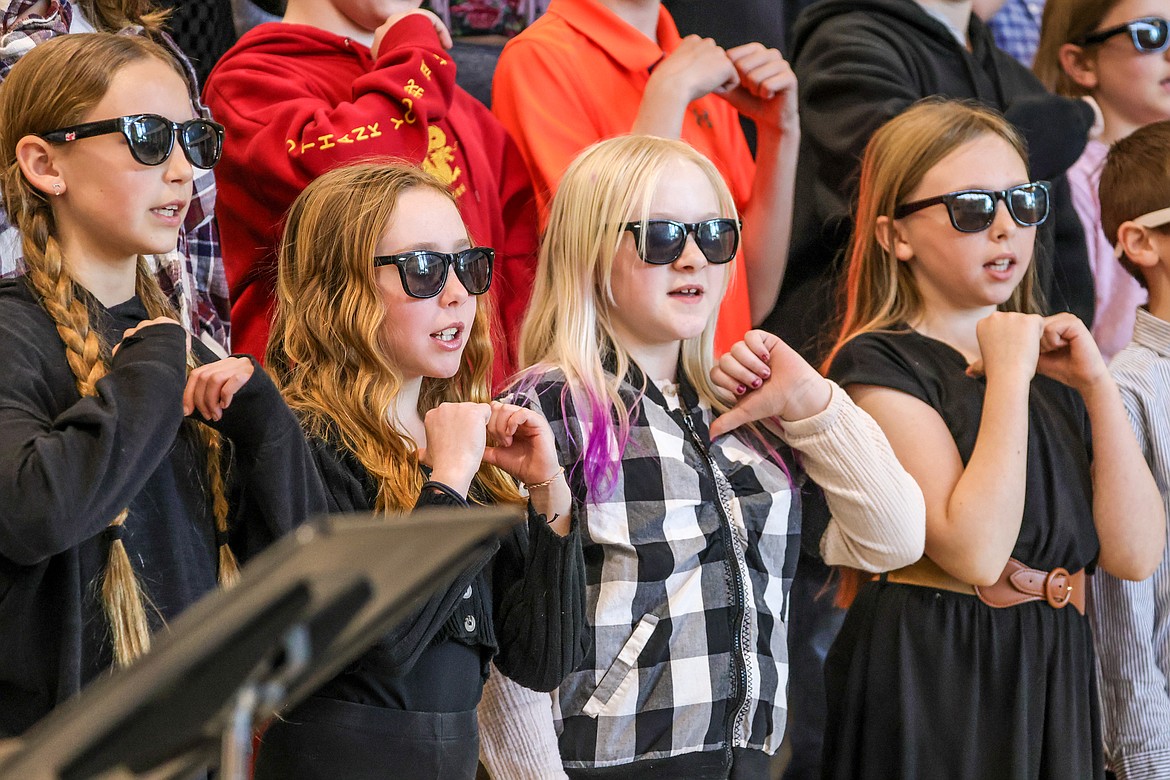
(1056, 594)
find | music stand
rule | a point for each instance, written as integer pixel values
(303, 610)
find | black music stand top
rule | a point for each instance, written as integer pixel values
(303, 609)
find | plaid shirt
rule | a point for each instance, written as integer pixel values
(1016, 28)
(688, 567)
(193, 275)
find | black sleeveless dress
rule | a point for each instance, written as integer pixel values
(926, 683)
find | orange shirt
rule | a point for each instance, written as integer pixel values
(577, 76)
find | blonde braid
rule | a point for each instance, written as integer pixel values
(157, 305)
(123, 599)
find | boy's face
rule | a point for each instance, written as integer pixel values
(369, 14)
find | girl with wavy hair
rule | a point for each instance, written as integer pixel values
(381, 346)
(688, 495)
(115, 514)
(977, 661)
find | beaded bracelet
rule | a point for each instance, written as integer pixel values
(547, 482)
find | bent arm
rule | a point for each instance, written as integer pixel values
(973, 512)
(539, 593)
(65, 478)
(1127, 507)
(878, 517)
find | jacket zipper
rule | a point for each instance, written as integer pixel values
(741, 636)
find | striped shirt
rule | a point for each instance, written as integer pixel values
(1131, 620)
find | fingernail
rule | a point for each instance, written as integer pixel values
(757, 383)
(740, 390)
(765, 373)
(764, 356)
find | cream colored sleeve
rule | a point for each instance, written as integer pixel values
(516, 736)
(878, 513)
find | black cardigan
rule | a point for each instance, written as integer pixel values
(527, 594)
(863, 62)
(68, 465)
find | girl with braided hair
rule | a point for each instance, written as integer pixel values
(113, 423)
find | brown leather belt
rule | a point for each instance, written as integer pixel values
(1016, 585)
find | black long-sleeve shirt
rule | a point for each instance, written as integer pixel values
(69, 465)
(521, 601)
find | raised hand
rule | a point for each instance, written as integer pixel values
(521, 443)
(409, 9)
(146, 324)
(1068, 353)
(697, 67)
(767, 86)
(456, 436)
(1009, 343)
(770, 380)
(210, 388)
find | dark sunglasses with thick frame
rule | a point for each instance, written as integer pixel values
(1149, 34)
(974, 210)
(151, 137)
(661, 241)
(424, 272)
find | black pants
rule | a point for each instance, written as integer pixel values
(326, 739)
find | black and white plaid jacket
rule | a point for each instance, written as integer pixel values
(688, 567)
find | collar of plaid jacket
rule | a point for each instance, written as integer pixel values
(688, 397)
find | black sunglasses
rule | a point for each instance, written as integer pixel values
(974, 210)
(1150, 34)
(152, 137)
(661, 241)
(424, 273)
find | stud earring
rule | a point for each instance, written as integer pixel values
(56, 189)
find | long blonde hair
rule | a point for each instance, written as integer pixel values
(880, 290)
(55, 85)
(326, 346)
(569, 324)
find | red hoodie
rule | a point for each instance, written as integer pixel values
(298, 101)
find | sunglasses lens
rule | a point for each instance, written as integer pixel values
(1028, 204)
(972, 211)
(425, 274)
(718, 239)
(202, 141)
(474, 269)
(150, 139)
(663, 241)
(1150, 35)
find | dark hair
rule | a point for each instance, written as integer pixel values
(1135, 181)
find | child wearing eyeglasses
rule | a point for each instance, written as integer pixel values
(1116, 52)
(115, 514)
(338, 81)
(977, 661)
(680, 466)
(381, 346)
(1131, 619)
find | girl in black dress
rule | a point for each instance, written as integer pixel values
(977, 661)
(381, 346)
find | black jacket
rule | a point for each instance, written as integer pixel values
(859, 64)
(526, 603)
(68, 465)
